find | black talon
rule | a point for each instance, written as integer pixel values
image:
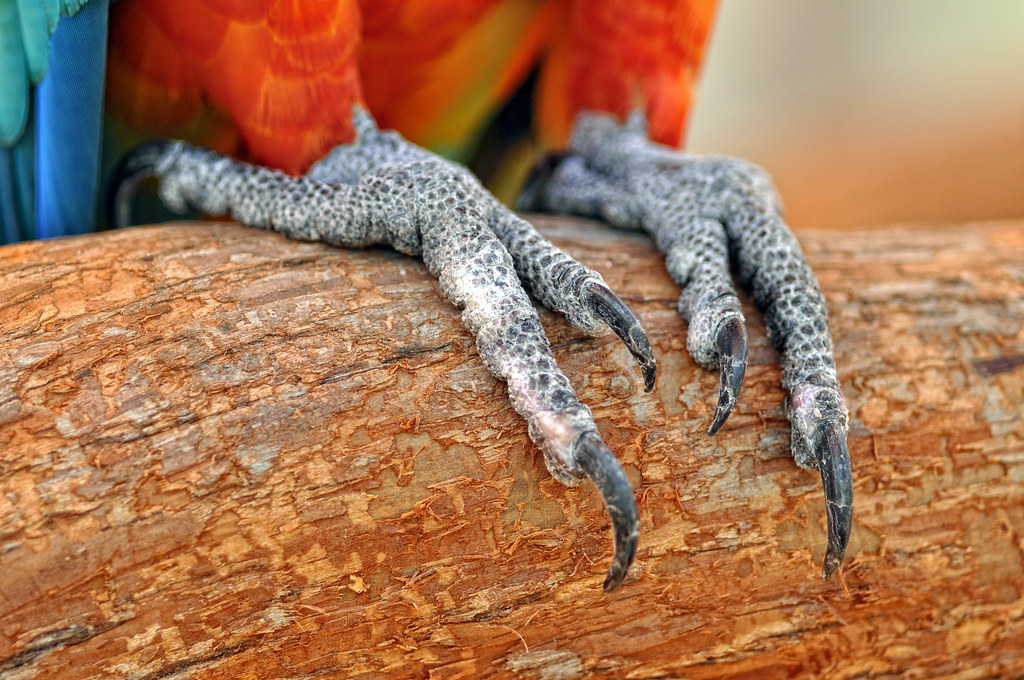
(531, 195)
(130, 171)
(621, 319)
(731, 342)
(605, 471)
(829, 444)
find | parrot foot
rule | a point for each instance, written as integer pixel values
(703, 212)
(382, 189)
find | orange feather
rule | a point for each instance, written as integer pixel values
(439, 70)
(617, 55)
(285, 73)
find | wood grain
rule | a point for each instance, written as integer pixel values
(228, 455)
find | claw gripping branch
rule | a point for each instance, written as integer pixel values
(704, 212)
(384, 190)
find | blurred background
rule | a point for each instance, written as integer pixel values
(871, 111)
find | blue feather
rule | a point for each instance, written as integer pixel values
(49, 135)
(69, 107)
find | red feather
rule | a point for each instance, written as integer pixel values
(285, 73)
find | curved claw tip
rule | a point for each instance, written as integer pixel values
(731, 343)
(604, 469)
(616, 575)
(829, 443)
(621, 319)
(830, 567)
(129, 172)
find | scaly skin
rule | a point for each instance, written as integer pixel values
(701, 211)
(384, 190)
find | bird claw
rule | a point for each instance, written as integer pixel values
(829, 445)
(384, 190)
(602, 468)
(621, 319)
(731, 342)
(819, 435)
(483, 256)
(703, 213)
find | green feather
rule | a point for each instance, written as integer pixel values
(13, 75)
(35, 37)
(25, 30)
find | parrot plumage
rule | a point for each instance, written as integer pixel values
(287, 74)
(274, 81)
(52, 63)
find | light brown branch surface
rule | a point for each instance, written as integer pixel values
(224, 454)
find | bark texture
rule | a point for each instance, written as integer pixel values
(224, 454)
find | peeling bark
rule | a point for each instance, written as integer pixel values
(226, 454)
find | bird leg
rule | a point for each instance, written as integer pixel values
(703, 212)
(383, 190)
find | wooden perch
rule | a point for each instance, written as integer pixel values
(225, 454)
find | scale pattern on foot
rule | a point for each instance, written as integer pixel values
(704, 212)
(383, 190)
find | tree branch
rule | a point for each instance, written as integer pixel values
(234, 455)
